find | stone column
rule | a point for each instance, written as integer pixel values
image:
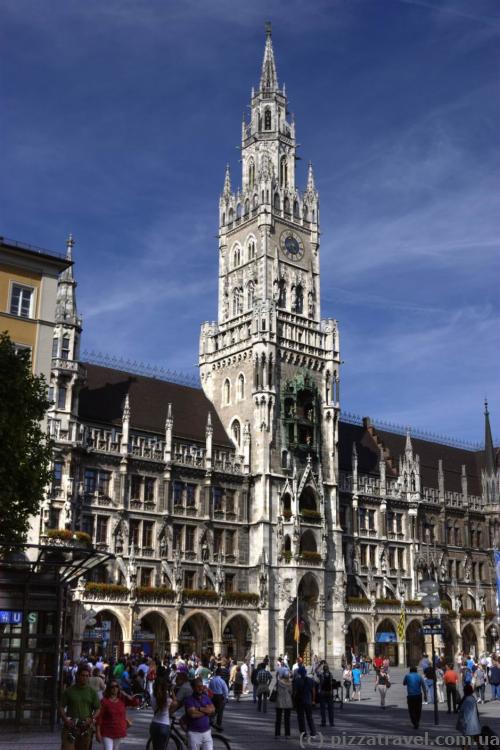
(401, 654)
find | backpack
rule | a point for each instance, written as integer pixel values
(326, 683)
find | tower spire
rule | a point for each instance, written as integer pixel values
(227, 181)
(311, 187)
(269, 77)
(66, 285)
(489, 452)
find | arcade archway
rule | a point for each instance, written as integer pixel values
(386, 642)
(151, 635)
(237, 638)
(448, 641)
(301, 627)
(469, 641)
(415, 643)
(105, 638)
(356, 641)
(196, 636)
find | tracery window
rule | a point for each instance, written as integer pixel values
(267, 118)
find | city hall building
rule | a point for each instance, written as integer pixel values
(235, 508)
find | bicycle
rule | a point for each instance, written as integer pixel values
(179, 738)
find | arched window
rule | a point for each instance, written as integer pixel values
(231, 215)
(236, 432)
(227, 391)
(223, 217)
(246, 210)
(305, 212)
(238, 211)
(286, 505)
(250, 295)
(283, 172)
(296, 210)
(256, 200)
(298, 305)
(308, 542)
(241, 386)
(237, 301)
(286, 206)
(307, 500)
(236, 256)
(251, 174)
(282, 293)
(65, 347)
(267, 118)
(251, 250)
(277, 201)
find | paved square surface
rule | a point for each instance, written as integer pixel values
(363, 721)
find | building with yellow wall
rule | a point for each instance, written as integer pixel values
(28, 295)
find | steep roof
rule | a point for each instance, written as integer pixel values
(101, 401)
(430, 453)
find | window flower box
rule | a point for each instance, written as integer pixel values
(202, 594)
(148, 593)
(241, 597)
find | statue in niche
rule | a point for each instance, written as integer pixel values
(468, 570)
(219, 580)
(482, 604)
(178, 577)
(132, 571)
(67, 513)
(263, 585)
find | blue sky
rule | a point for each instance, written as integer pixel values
(118, 119)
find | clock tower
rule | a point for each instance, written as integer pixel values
(270, 365)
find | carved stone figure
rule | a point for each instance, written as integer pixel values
(468, 570)
(219, 580)
(263, 586)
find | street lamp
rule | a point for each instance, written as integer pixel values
(431, 600)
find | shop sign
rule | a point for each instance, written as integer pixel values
(143, 635)
(10, 617)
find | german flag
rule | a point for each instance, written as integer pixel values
(299, 627)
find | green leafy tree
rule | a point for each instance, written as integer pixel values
(25, 452)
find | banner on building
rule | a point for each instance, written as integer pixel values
(496, 554)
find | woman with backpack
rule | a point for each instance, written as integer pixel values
(382, 682)
(347, 682)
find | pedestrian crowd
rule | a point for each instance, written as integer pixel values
(194, 690)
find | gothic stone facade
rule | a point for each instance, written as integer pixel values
(232, 508)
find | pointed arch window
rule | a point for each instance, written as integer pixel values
(251, 174)
(296, 210)
(246, 209)
(236, 431)
(55, 347)
(267, 119)
(238, 211)
(282, 293)
(283, 171)
(298, 304)
(237, 301)
(277, 205)
(227, 391)
(286, 206)
(305, 212)
(241, 386)
(236, 256)
(251, 250)
(250, 295)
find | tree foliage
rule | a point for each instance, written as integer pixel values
(25, 451)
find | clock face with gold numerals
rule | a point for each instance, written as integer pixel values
(292, 245)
